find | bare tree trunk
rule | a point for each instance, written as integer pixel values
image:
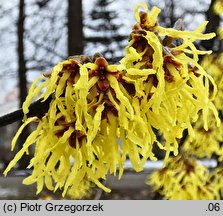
(172, 17)
(20, 51)
(75, 27)
(22, 75)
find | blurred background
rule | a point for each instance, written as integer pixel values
(37, 34)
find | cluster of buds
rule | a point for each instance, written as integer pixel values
(102, 114)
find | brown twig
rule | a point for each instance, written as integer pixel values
(37, 108)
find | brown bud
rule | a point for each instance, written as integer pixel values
(101, 62)
(103, 84)
(143, 17)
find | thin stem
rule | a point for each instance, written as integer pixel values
(37, 108)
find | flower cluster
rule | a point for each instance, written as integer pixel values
(171, 87)
(208, 142)
(183, 179)
(205, 143)
(100, 114)
(213, 64)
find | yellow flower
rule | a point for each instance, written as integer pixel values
(89, 111)
(220, 33)
(183, 179)
(214, 66)
(84, 190)
(71, 128)
(216, 180)
(156, 87)
(205, 143)
(173, 88)
(218, 7)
